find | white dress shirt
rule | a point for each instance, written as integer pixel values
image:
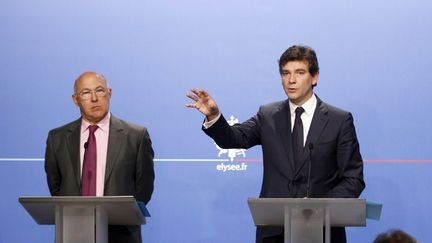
(306, 117)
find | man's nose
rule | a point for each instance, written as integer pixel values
(94, 97)
(292, 79)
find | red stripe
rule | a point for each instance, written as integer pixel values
(398, 161)
(249, 160)
(365, 161)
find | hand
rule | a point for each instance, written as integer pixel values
(204, 103)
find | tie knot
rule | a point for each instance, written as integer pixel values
(299, 110)
(92, 128)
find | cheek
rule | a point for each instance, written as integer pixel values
(86, 107)
(284, 83)
(106, 103)
(306, 85)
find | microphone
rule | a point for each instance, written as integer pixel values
(85, 145)
(309, 171)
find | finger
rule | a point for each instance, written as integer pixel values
(203, 93)
(200, 92)
(192, 96)
(192, 105)
(195, 91)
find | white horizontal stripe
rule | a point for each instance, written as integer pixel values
(191, 160)
(157, 160)
(22, 159)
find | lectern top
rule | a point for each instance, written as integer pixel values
(121, 210)
(343, 211)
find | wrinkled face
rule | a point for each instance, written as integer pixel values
(92, 96)
(297, 81)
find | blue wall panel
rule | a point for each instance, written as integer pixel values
(374, 59)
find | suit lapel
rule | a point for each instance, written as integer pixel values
(283, 117)
(116, 141)
(73, 146)
(319, 122)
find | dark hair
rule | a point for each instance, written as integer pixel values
(300, 53)
(395, 236)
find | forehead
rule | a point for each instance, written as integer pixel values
(296, 65)
(89, 81)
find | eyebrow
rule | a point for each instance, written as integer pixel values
(296, 70)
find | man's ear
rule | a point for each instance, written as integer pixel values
(74, 99)
(315, 79)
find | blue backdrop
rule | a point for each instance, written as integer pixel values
(374, 58)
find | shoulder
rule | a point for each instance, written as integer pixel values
(66, 128)
(332, 109)
(333, 112)
(274, 107)
(117, 123)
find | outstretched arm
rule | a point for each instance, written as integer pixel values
(243, 135)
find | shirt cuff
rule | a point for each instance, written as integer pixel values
(208, 124)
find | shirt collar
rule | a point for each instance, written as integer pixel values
(308, 106)
(103, 124)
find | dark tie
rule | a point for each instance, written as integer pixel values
(89, 165)
(297, 137)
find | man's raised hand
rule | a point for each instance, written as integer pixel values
(204, 103)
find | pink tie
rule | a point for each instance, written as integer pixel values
(88, 176)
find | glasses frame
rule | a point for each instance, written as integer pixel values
(87, 94)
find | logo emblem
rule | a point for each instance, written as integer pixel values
(231, 153)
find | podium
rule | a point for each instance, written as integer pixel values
(304, 219)
(83, 219)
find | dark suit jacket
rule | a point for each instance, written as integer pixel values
(337, 166)
(129, 167)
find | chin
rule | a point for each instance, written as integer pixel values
(292, 97)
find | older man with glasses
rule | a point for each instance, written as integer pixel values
(99, 154)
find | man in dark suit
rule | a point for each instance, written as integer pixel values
(294, 132)
(123, 155)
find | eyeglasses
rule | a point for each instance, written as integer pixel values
(86, 94)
